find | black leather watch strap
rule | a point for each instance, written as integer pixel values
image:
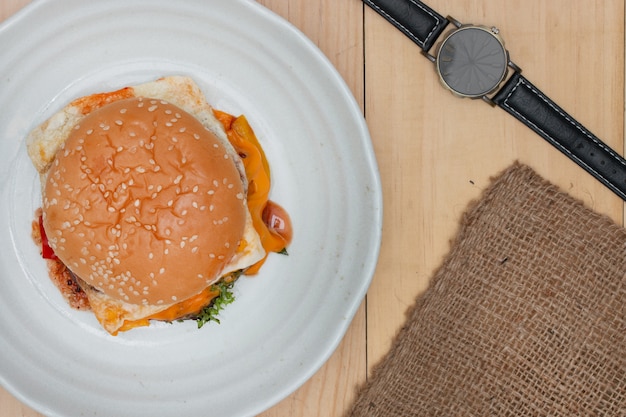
(416, 20)
(533, 108)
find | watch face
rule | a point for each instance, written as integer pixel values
(472, 61)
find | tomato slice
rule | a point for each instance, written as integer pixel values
(46, 250)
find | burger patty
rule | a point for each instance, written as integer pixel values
(60, 276)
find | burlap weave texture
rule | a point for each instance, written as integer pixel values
(525, 317)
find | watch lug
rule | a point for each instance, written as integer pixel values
(516, 70)
(430, 57)
(514, 66)
(454, 21)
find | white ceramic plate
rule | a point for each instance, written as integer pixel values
(286, 321)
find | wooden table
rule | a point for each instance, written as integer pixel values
(436, 153)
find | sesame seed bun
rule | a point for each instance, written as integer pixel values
(144, 203)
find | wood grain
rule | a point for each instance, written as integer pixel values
(436, 153)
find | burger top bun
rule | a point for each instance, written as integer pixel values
(143, 203)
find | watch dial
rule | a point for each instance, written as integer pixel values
(472, 61)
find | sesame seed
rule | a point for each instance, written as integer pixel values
(119, 122)
(153, 108)
(162, 271)
(122, 111)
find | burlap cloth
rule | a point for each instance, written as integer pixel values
(525, 317)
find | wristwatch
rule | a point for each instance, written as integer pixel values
(472, 61)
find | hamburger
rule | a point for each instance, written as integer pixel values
(150, 198)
